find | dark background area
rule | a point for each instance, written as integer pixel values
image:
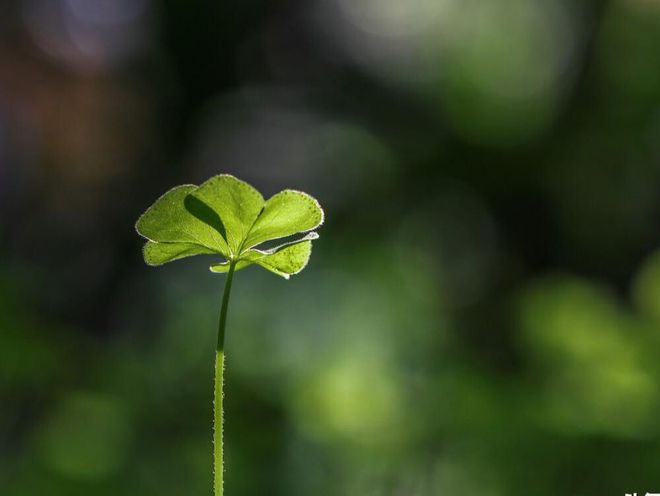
(481, 314)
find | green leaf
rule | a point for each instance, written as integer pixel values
(227, 216)
(289, 260)
(160, 253)
(286, 213)
(169, 221)
(284, 260)
(236, 202)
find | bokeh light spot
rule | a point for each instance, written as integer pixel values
(86, 437)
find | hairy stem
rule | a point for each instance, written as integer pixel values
(218, 462)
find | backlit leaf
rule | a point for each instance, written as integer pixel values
(237, 204)
(284, 260)
(289, 260)
(228, 217)
(286, 213)
(169, 221)
(160, 253)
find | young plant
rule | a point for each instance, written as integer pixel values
(228, 217)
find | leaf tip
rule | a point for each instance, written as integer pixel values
(316, 204)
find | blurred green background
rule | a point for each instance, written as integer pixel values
(481, 314)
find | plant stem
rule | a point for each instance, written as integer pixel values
(218, 464)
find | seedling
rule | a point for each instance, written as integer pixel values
(226, 216)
